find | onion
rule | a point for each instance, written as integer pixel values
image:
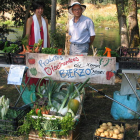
(120, 136)
(122, 129)
(117, 126)
(116, 131)
(111, 127)
(115, 136)
(100, 130)
(111, 133)
(104, 127)
(104, 124)
(109, 124)
(106, 133)
(102, 135)
(97, 132)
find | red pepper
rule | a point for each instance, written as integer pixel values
(109, 74)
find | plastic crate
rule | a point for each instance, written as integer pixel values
(129, 63)
(4, 58)
(113, 123)
(131, 52)
(17, 59)
(9, 126)
(138, 136)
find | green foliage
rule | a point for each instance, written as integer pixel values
(60, 126)
(19, 9)
(31, 123)
(7, 22)
(11, 48)
(49, 50)
(62, 2)
(100, 18)
(5, 30)
(67, 124)
(58, 38)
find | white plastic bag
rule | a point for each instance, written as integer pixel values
(125, 87)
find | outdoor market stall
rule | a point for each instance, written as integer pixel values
(73, 69)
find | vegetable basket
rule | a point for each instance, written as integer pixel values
(9, 126)
(129, 63)
(73, 134)
(17, 58)
(138, 132)
(4, 58)
(2, 42)
(95, 137)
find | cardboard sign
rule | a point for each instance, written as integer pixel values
(72, 68)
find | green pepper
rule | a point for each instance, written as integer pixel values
(32, 112)
(39, 112)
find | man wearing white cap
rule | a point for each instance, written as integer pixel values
(81, 30)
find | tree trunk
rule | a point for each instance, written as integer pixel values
(133, 24)
(26, 17)
(122, 23)
(53, 19)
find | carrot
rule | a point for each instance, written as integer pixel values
(37, 49)
(24, 50)
(28, 49)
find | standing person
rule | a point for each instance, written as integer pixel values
(37, 28)
(81, 30)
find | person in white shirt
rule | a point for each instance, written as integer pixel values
(81, 30)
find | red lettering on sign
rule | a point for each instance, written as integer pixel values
(46, 69)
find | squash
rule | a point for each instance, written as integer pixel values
(73, 104)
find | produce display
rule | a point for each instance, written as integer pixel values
(55, 110)
(49, 50)
(110, 130)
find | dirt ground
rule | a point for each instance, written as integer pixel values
(96, 107)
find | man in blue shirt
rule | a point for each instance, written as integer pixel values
(81, 30)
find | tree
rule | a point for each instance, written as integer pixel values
(122, 23)
(53, 19)
(22, 10)
(26, 17)
(133, 27)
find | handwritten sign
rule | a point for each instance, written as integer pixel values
(72, 68)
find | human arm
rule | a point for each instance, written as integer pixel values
(28, 27)
(91, 40)
(48, 39)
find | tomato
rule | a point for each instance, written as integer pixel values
(36, 111)
(47, 111)
(31, 61)
(43, 112)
